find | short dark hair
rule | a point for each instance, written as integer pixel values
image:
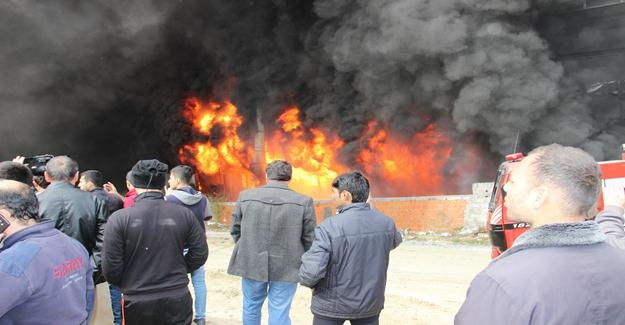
(571, 170)
(16, 171)
(184, 173)
(19, 199)
(61, 168)
(41, 181)
(279, 170)
(93, 176)
(355, 183)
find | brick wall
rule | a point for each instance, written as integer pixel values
(435, 213)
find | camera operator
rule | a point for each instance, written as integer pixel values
(36, 165)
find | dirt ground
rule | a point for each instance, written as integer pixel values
(427, 283)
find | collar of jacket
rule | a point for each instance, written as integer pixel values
(39, 228)
(131, 192)
(559, 235)
(151, 195)
(54, 185)
(358, 206)
(278, 184)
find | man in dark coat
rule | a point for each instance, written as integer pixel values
(561, 271)
(611, 218)
(347, 263)
(76, 213)
(272, 226)
(93, 181)
(143, 252)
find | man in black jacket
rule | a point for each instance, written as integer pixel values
(76, 213)
(92, 181)
(143, 251)
(346, 265)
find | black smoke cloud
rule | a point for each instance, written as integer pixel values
(104, 81)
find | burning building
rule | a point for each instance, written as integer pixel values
(227, 164)
(422, 96)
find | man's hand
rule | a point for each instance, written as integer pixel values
(19, 159)
(614, 196)
(109, 187)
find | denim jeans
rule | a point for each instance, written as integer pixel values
(280, 298)
(199, 290)
(116, 304)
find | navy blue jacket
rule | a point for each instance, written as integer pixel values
(346, 265)
(45, 278)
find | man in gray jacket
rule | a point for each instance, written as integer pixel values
(611, 218)
(272, 226)
(347, 263)
(561, 271)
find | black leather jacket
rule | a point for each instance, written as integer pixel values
(79, 214)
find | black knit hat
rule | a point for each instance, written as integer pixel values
(148, 174)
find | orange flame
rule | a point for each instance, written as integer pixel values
(395, 167)
(312, 155)
(220, 157)
(406, 168)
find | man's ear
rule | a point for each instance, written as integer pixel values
(538, 196)
(346, 197)
(47, 177)
(75, 179)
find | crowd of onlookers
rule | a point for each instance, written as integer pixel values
(62, 236)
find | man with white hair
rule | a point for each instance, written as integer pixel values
(76, 213)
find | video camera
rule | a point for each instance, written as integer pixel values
(37, 164)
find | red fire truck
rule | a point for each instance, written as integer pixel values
(502, 231)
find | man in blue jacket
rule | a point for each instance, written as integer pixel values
(182, 193)
(560, 271)
(45, 275)
(347, 263)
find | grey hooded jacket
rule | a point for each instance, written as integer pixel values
(553, 274)
(346, 265)
(611, 222)
(272, 226)
(194, 200)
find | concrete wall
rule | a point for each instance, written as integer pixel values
(475, 212)
(423, 213)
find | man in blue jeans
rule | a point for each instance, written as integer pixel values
(272, 226)
(181, 192)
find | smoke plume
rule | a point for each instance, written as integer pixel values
(104, 81)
